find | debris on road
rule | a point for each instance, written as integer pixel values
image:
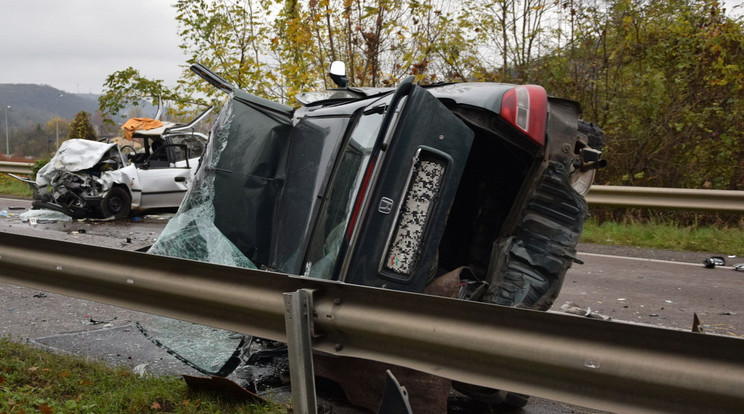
(101, 321)
(697, 326)
(574, 309)
(43, 216)
(714, 261)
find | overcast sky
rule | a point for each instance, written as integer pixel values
(73, 45)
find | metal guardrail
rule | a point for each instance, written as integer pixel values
(601, 195)
(603, 365)
(667, 198)
(16, 167)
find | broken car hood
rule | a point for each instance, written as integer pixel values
(74, 155)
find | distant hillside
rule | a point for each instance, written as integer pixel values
(32, 104)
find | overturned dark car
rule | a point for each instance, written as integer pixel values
(396, 188)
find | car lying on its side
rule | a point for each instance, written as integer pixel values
(91, 179)
(396, 188)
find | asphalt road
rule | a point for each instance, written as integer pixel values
(626, 285)
(658, 292)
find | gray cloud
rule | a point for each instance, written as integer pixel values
(73, 45)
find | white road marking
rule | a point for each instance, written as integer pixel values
(641, 259)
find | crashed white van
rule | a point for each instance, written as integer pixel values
(90, 179)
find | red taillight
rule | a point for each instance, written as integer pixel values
(526, 107)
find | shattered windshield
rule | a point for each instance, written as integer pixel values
(225, 217)
(209, 350)
(241, 158)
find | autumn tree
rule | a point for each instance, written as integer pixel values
(665, 81)
(57, 127)
(384, 41)
(31, 142)
(663, 78)
(81, 128)
(442, 43)
(230, 37)
(509, 36)
(128, 87)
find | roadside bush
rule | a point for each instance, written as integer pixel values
(38, 165)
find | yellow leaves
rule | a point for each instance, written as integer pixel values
(156, 406)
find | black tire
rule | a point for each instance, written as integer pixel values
(594, 135)
(516, 400)
(534, 261)
(116, 203)
(490, 396)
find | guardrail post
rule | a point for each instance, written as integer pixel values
(298, 315)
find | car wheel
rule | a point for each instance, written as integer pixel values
(581, 181)
(117, 203)
(594, 134)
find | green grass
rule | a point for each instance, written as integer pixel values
(11, 186)
(36, 381)
(668, 236)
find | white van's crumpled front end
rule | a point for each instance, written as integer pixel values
(78, 176)
(76, 155)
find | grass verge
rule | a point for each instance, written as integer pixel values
(669, 236)
(37, 381)
(11, 186)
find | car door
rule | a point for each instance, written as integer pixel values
(421, 152)
(165, 177)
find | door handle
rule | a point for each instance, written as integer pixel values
(180, 179)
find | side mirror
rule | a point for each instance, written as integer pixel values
(337, 72)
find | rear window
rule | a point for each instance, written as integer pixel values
(347, 179)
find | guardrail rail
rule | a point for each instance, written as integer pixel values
(16, 167)
(601, 195)
(668, 198)
(604, 365)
